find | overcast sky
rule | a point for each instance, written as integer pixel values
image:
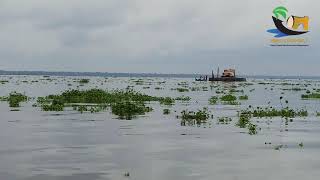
(163, 36)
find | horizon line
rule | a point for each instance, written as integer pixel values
(128, 74)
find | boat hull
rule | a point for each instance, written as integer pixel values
(228, 79)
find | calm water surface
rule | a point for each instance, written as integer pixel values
(37, 145)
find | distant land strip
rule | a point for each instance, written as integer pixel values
(108, 74)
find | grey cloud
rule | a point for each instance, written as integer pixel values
(147, 35)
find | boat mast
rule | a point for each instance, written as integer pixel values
(218, 72)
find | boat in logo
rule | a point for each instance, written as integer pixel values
(292, 24)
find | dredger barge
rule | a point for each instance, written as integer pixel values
(228, 75)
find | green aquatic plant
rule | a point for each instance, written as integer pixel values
(278, 147)
(167, 101)
(15, 99)
(98, 96)
(244, 119)
(244, 97)
(224, 120)
(194, 118)
(252, 129)
(84, 81)
(272, 112)
(236, 91)
(213, 100)
(311, 96)
(98, 100)
(182, 89)
(166, 111)
(52, 107)
(183, 98)
(128, 109)
(228, 98)
(244, 122)
(301, 145)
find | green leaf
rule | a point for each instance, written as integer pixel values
(281, 8)
(282, 11)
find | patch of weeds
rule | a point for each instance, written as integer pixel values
(84, 81)
(182, 89)
(301, 145)
(311, 96)
(236, 91)
(15, 99)
(183, 98)
(128, 109)
(167, 101)
(244, 119)
(166, 111)
(213, 100)
(229, 99)
(194, 118)
(252, 129)
(224, 120)
(245, 97)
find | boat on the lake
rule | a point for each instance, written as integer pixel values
(228, 75)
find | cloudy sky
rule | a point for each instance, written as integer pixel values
(163, 36)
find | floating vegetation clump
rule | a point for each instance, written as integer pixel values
(272, 112)
(244, 97)
(244, 122)
(236, 91)
(14, 99)
(194, 118)
(84, 81)
(126, 104)
(311, 96)
(294, 89)
(252, 129)
(213, 100)
(182, 89)
(166, 111)
(167, 101)
(183, 98)
(224, 120)
(128, 109)
(229, 99)
(89, 108)
(3, 81)
(244, 119)
(99, 96)
(52, 107)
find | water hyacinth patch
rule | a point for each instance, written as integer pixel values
(194, 118)
(128, 109)
(14, 99)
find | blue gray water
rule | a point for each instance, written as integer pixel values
(36, 145)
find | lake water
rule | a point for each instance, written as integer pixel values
(69, 145)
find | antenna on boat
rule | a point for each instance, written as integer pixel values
(218, 72)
